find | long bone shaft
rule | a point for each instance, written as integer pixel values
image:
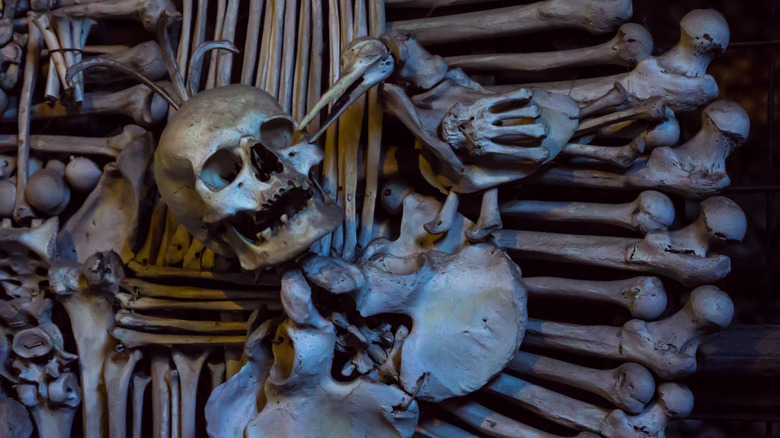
(289, 43)
(651, 211)
(631, 44)
(60, 144)
(134, 339)
(146, 289)
(117, 372)
(140, 382)
(148, 12)
(22, 209)
(673, 401)
(128, 302)
(618, 156)
(667, 347)
(249, 64)
(593, 16)
(137, 321)
(174, 387)
(302, 59)
(140, 103)
(683, 255)
(183, 50)
(198, 37)
(644, 297)
(225, 57)
(189, 364)
(629, 387)
(161, 395)
(211, 78)
(494, 424)
(146, 58)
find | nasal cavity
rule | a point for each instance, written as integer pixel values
(265, 162)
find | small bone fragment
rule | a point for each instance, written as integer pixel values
(161, 395)
(302, 59)
(489, 217)
(137, 321)
(673, 401)
(52, 90)
(619, 156)
(128, 302)
(667, 347)
(644, 297)
(60, 144)
(117, 372)
(629, 387)
(446, 216)
(189, 365)
(495, 424)
(632, 44)
(592, 15)
(140, 382)
(22, 210)
(683, 255)
(134, 339)
(172, 380)
(148, 12)
(651, 211)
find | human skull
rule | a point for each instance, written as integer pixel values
(227, 170)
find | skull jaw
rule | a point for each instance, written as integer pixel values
(321, 216)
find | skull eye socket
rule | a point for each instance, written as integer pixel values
(221, 169)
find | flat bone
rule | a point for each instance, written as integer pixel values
(147, 12)
(140, 382)
(145, 289)
(494, 424)
(134, 339)
(683, 255)
(68, 145)
(140, 322)
(667, 347)
(595, 16)
(695, 170)
(189, 365)
(629, 387)
(651, 211)
(117, 372)
(644, 297)
(129, 302)
(140, 103)
(673, 401)
(631, 44)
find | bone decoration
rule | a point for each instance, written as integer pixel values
(310, 218)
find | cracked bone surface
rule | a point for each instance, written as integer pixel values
(684, 255)
(595, 16)
(629, 387)
(644, 297)
(667, 347)
(672, 401)
(651, 211)
(631, 44)
(696, 169)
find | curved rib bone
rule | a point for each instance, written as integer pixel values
(651, 211)
(644, 297)
(631, 44)
(595, 16)
(629, 387)
(668, 346)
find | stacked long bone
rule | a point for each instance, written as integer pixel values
(644, 349)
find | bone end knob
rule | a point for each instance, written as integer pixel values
(82, 174)
(7, 166)
(634, 44)
(46, 190)
(634, 386)
(705, 31)
(646, 298)
(653, 211)
(665, 133)
(710, 309)
(729, 118)
(723, 219)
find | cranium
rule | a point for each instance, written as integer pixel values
(227, 168)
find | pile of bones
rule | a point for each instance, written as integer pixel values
(235, 251)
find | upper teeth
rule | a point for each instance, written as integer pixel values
(266, 234)
(284, 219)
